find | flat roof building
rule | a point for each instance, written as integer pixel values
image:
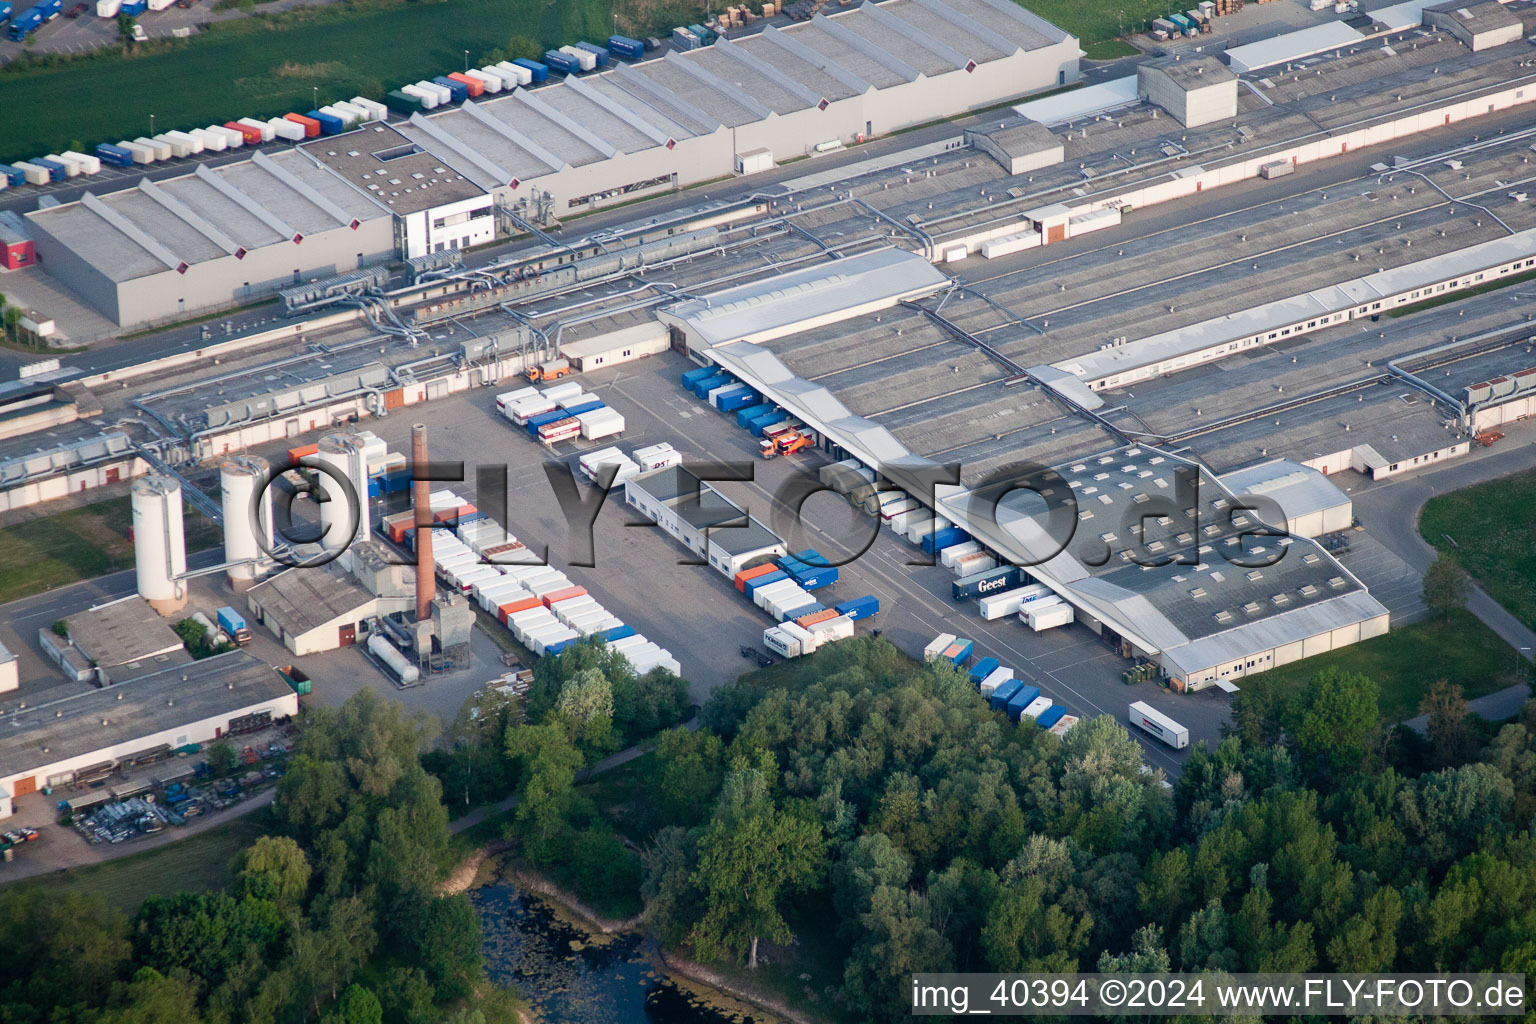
(120, 640)
(43, 745)
(1018, 146)
(313, 610)
(1481, 24)
(1197, 90)
(702, 519)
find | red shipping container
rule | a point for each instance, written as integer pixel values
(807, 621)
(505, 611)
(311, 126)
(252, 135)
(474, 85)
(556, 596)
(753, 573)
(295, 454)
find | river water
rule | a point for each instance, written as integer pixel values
(575, 977)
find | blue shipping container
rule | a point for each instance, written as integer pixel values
(982, 669)
(56, 171)
(134, 7)
(751, 585)
(16, 177)
(114, 155)
(456, 89)
(5, 12)
(698, 373)
(731, 403)
(230, 621)
(963, 655)
(810, 556)
(535, 422)
(746, 414)
(948, 537)
(29, 21)
(1050, 716)
(600, 52)
(618, 633)
(329, 124)
(562, 62)
(1000, 697)
(704, 385)
(979, 584)
(809, 609)
(860, 607)
(554, 649)
(540, 71)
(1022, 698)
(730, 392)
(595, 403)
(814, 577)
(624, 46)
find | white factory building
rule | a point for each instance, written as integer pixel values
(702, 519)
(44, 745)
(774, 95)
(1218, 620)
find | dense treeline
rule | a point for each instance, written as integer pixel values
(336, 918)
(884, 800)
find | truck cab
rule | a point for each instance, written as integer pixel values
(787, 443)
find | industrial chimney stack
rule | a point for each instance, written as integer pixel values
(421, 498)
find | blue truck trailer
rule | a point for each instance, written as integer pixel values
(698, 373)
(860, 607)
(116, 156)
(982, 669)
(562, 62)
(1050, 716)
(600, 52)
(626, 48)
(458, 90)
(539, 71)
(1022, 698)
(736, 400)
(704, 385)
(746, 414)
(948, 537)
(5, 12)
(980, 584)
(329, 123)
(1000, 697)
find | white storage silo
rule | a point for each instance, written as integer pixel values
(159, 545)
(247, 529)
(344, 452)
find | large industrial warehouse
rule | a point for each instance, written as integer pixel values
(44, 745)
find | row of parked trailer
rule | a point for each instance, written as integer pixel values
(778, 432)
(1020, 701)
(540, 605)
(216, 138)
(560, 412)
(507, 75)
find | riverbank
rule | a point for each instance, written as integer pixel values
(609, 951)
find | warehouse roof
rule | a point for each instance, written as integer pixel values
(1297, 489)
(301, 600)
(736, 82)
(379, 160)
(96, 719)
(1292, 46)
(209, 214)
(1255, 320)
(1478, 16)
(1075, 103)
(745, 539)
(778, 305)
(1020, 138)
(1194, 72)
(122, 632)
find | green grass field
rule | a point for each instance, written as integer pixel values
(195, 864)
(1406, 662)
(269, 64)
(1491, 530)
(39, 554)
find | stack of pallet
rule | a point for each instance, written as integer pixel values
(1225, 7)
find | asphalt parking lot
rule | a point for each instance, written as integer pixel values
(640, 574)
